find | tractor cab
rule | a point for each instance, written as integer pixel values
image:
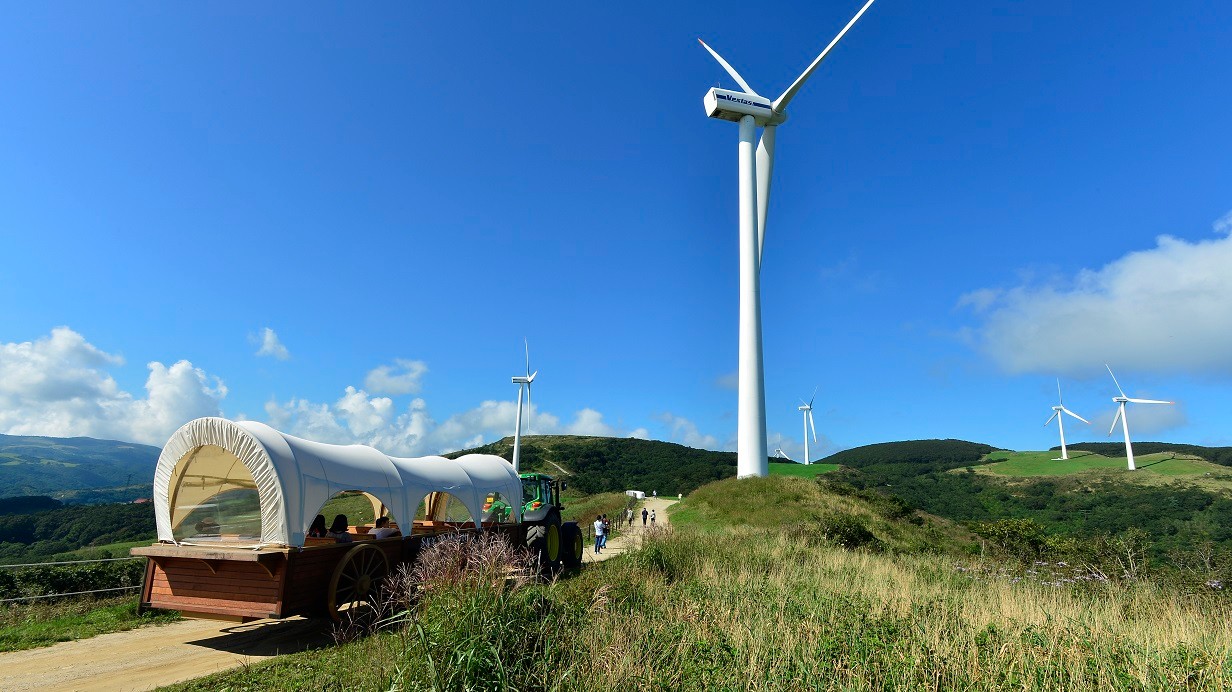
(540, 494)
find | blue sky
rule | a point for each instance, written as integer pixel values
(968, 202)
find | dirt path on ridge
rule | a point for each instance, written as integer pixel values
(626, 539)
(149, 657)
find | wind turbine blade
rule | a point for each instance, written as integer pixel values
(811, 398)
(730, 70)
(814, 427)
(529, 410)
(531, 377)
(527, 345)
(1075, 415)
(781, 102)
(1054, 415)
(1149, 401)
(1059, 399)
(765, 169)
(1114, 380)
(1115, 419)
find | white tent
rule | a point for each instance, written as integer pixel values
(272, 485)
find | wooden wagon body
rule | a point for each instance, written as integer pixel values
(234, 501)
(243, 584)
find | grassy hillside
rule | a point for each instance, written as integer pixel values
(51, 465)
(801, 470)
(744, 596)
(1174, 503)
(1030, 464)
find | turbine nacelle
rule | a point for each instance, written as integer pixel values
(734, 105)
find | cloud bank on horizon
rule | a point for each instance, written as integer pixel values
(59, 386)
(1166, 309)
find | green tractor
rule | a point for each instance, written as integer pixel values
(554, 542)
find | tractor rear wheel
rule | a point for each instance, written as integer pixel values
(544, 542)
(572, 548)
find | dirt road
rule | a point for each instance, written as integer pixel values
(628, 539)
(146, 658)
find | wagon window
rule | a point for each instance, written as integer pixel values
(358, 506)
(443, 507)
(214, 498)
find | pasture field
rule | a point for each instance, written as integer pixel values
(801, 470)
(1027, 464)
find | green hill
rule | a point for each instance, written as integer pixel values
(613, 464)
(1178, 503)
(59, 466)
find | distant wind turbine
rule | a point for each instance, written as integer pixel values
(778, 454)
(1056, 413)
(523, 383)
(756, 164)
(807, 409)
(1121, 401)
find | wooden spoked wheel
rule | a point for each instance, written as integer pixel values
(357, 579)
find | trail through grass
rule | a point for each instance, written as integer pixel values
(31, 625)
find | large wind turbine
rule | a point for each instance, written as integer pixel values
(523, 383)
(753, 110)
(1121, 401)
(807, 409)
(1056, 413)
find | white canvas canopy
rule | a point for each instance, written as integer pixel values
(214, 462)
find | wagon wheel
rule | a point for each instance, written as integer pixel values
(356, 580)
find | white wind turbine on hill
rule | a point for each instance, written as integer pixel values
(807, 409)
(1056, 413)
(753, 110)
(522, 383)
(1121, 401)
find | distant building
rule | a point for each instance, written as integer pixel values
(141, 501)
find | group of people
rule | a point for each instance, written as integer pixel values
(603, 527)
(339, 530)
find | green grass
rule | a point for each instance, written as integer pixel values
(746, 608)
(33, 625)
(1028, 464)
(801, 470)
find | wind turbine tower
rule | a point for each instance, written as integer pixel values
(1056, 413)
(807, 409)
(523, 383)
(752, 110)
(1121, 401)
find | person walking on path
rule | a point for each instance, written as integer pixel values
(598, 534)
(607, 529)
(644, 515)
(629, 516)
(652, 517)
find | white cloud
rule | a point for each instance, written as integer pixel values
(271, 346)
(1164, 309)
(639, 434)
(589, 422)
(686, 433)
(59, 386)
(1223, 224)
(403, 377)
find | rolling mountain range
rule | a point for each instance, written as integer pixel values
(71, 467)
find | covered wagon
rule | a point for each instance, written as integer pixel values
(235, 502)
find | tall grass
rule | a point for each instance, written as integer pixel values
(743, 608)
